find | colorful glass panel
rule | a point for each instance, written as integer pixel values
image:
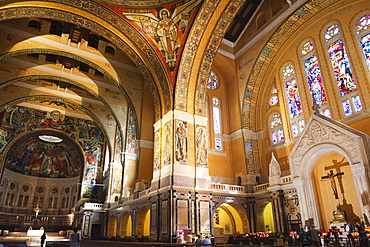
(331, 32)
(212, 82)
(365, 45)
(357, 103)
(326, 113)
(307, 47)
(295, 129)
(216, 121)
(346, 108)
(293, 97)
(275, 120)
(341, 67)
(363, 23)
(218, 144)
(288, 71)
(314, 79)
(281, 135)
(301, 125)
(274, 100)
(274, 91)
(274, 137)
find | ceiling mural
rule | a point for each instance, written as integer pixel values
(165, 27)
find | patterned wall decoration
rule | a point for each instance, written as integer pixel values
(167, 144)
(12, 12)
(201, 145)
(118, 146)
(181, 142)
(131, 133)
(165, 27)
(210, 53)
(251, 155)
(35, 157)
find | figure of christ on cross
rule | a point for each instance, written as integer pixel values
(331, 177)
(37, 210)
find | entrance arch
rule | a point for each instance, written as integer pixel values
(230, 218)
(143, 223)
(112, 227)
(126, 225)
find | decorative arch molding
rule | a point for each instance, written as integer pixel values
(200, 50)
(303, 14)
(66, 101)
(124, 36)
(321, 136)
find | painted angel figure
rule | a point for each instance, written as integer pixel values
(165, 29)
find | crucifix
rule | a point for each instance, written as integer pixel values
(37, 210)
(331, 177)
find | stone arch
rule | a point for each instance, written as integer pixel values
(112, 227)
(143, 223)
(229, 218)
(125, 225)
(260, 219)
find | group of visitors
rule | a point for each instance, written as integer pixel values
(189, 239)
(74, 239)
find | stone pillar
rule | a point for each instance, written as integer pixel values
(129, 175)
(360, 173)
(279, 211)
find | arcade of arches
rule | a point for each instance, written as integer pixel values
(136, 119)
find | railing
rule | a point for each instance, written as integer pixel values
(93, 206)
(260, 187)
(227, 187)
(144, 192)
(286, 180)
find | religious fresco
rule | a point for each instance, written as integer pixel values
(167, 145)
(36, 157)
(201, 146)
(165, 27)
(157, 150)
(181, 140)
(18, 120)
(131, 133)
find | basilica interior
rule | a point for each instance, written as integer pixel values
(140, 119)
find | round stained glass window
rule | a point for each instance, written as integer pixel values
(274, 100)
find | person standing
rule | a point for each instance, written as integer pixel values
(189, 238)
(303, 237)
(43, 237)
(75, 238)
(364, 240)
(206, 241)
(314, 236)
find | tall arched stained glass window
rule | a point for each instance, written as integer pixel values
(291, 88)
(313, 75)
(362, 26)
(216, 115)
(345, 81)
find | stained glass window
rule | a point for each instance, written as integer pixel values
(274, 100)
(218, 144)
(281, 135)
(341, 67)
(365, 45)
(326, 113)
(307, 47)
(216, 114)
(275, 120)
(274, 137)
(346, 108)
(301, 125)
(274, 91)
(331, 32)
(357, 103)
(212, 82)
(363, 23)
(288, 71)
(216, 121)
(314, 80)
(294, 101)
(295, 129)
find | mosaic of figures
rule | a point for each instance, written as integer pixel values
(118, 146)
(201, 146)
(166, 27)
(157, 150)
(35, 157)
(131, 133)
(18, 120)
(167, 145)
(181, 142)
